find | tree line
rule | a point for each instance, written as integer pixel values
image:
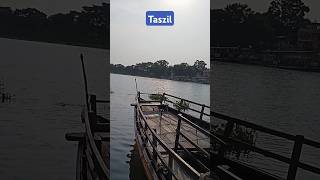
(238, 25)
(88, 27)
(161, 69)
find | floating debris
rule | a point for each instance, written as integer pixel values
(5, 96)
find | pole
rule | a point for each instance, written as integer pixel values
(85, 81)
(135, 80)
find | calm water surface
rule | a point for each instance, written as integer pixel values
(123, 93)
(47, 82)
(284, 100)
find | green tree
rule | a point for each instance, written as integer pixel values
(200, 65)
(238, 13)
(160, 68)
(288, 15)
(182, 69)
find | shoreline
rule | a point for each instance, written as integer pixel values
(77, 44)
(291, 68)
(161, 78)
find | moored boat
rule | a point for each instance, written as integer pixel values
(177, 144)
(93, 157)
(171, 146)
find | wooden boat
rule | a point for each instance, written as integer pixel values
(174, 144)
(170, 144)
(93, 158)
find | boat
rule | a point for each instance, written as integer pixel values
(182, 143)
(93, 156)
(171, 143)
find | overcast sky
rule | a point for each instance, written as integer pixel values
(132, 41)
(51, 6)
(262, 6)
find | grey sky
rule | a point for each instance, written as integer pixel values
(51, 6)
(132, 41)
(262, 6)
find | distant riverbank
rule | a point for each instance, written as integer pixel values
(181, 80)
(89, 45)
(289, 59)
(278, 66)
(198, 72)
(88, 27)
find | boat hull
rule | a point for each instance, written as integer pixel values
(146, 162)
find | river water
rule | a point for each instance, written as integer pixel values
(49, 95)
(47, 82)
(283, 100)
(123, 93)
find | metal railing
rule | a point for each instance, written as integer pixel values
(299, 140)
(202, 111)
(149, 136)
(96, 164)
(206, 152)
(90, 161)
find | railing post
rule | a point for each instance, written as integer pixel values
(160, 122)
(170, 167)
(145, 128)
(176, 144)
(163, 99)
(229, 128)
(227, 132)
(93, 121)
(93, 103)
(295, 157)
(154, 142)
(135, 113)
(211, 156)
(202, 111)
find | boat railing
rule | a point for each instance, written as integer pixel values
(200, 110)
(298, 140)
(152, 139)
(206, 152)
(91, 161)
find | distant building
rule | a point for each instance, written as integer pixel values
(283, 43)
(224, 53)
(309, 38)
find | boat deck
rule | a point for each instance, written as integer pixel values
(165, 123)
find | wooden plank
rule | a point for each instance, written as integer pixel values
(103, 127)
(168, 127)
(95, 151)
(75, 136)
(102, 136)
(79, 166)
(89, 158)
(102, 101)
(99, 136)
